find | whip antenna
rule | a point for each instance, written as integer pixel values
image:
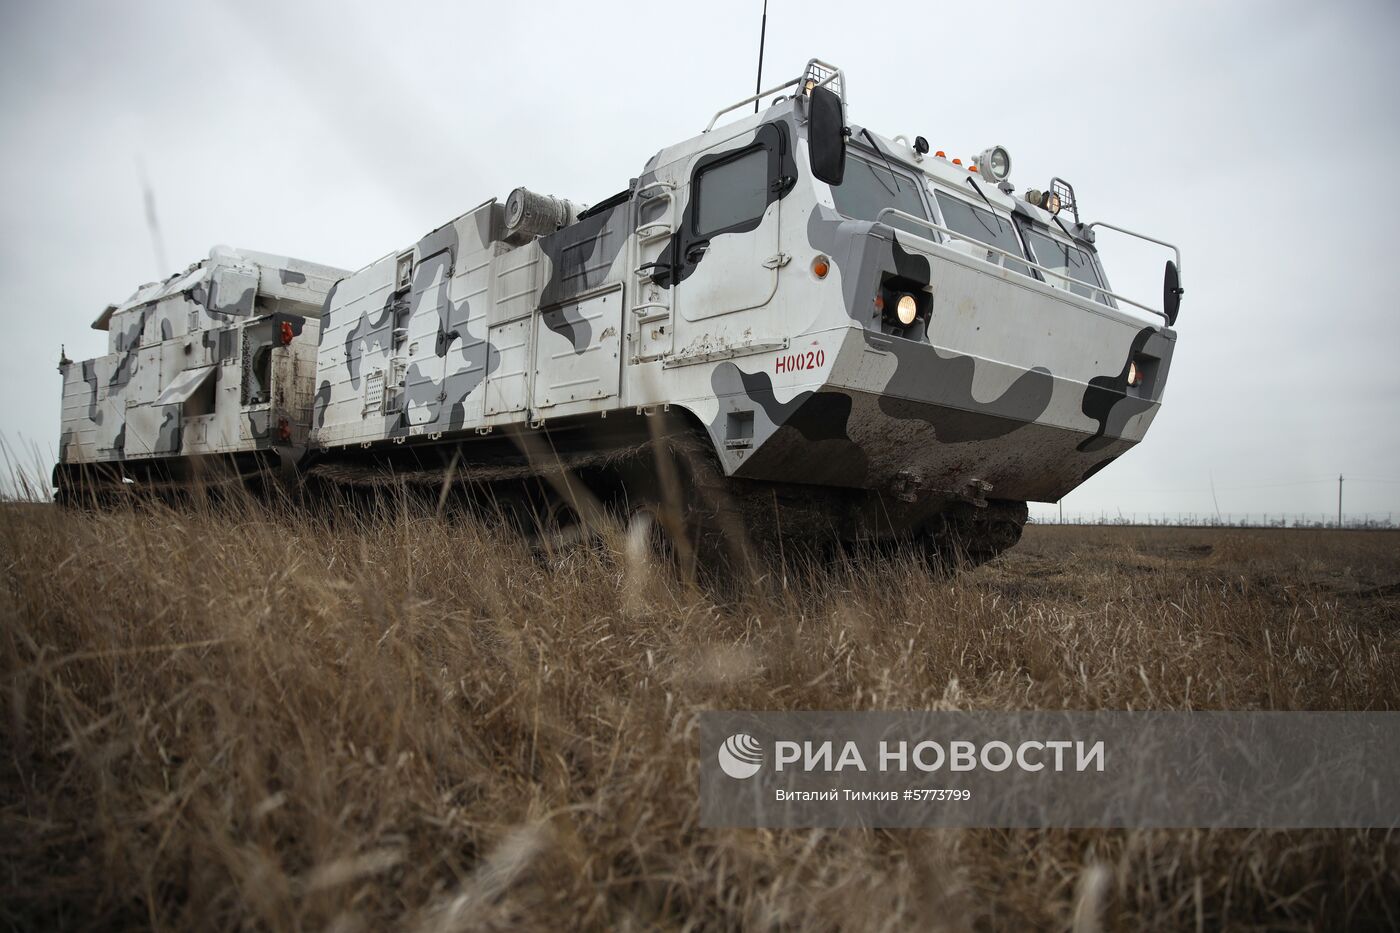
(157, 242)
(762, 34)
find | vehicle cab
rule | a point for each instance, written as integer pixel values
(884, 316)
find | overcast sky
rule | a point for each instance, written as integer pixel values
(1257, 136)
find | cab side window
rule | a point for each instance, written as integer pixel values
(732, 193)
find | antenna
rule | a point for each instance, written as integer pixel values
(762, 35)
(149, 196)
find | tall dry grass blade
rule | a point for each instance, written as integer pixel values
(501, 868)
(1091, 896)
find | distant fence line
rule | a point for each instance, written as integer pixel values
(1364, 521)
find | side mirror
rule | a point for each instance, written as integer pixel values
(826, 135)
(1171, 293)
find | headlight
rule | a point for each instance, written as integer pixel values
(907, 310)
(902, 303)
(994, 164)
(1134, 374)
(1048, 200)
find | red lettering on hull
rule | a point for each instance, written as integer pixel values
(796, 362)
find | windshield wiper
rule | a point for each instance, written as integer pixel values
(1061, 224)
(996, 217)
(978, 188)
(878, 151)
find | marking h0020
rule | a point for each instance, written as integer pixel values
(796, 362)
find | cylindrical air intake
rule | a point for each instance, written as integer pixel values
(529, 215)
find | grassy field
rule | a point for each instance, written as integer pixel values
(255, 720)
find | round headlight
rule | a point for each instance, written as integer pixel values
(995, 164)
(907, 310)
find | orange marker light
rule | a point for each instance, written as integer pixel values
(941, 154)
(957, 161)
(286, 332)
(820, 267)
(972, 168)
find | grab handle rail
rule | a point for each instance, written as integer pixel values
(833, 75)
(748, 100)
(903, 215)
(1143, 236)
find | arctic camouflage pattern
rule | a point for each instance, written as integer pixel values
(216, 359)
(1015, 381)
(696, 291)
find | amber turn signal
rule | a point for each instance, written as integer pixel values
(820, 267)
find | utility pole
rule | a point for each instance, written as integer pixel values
(1339, 500)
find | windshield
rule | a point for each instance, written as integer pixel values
(870, 187)
(1061, 257)
(982, 225)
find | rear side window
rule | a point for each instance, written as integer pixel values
(1069, 260)
(731, 193)
(868, 189)
(975, 223)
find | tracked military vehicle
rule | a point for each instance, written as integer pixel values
(212, 365)
(861, 339)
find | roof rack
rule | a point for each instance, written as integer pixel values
(817, 74)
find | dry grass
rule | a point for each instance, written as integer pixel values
(251, 719)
